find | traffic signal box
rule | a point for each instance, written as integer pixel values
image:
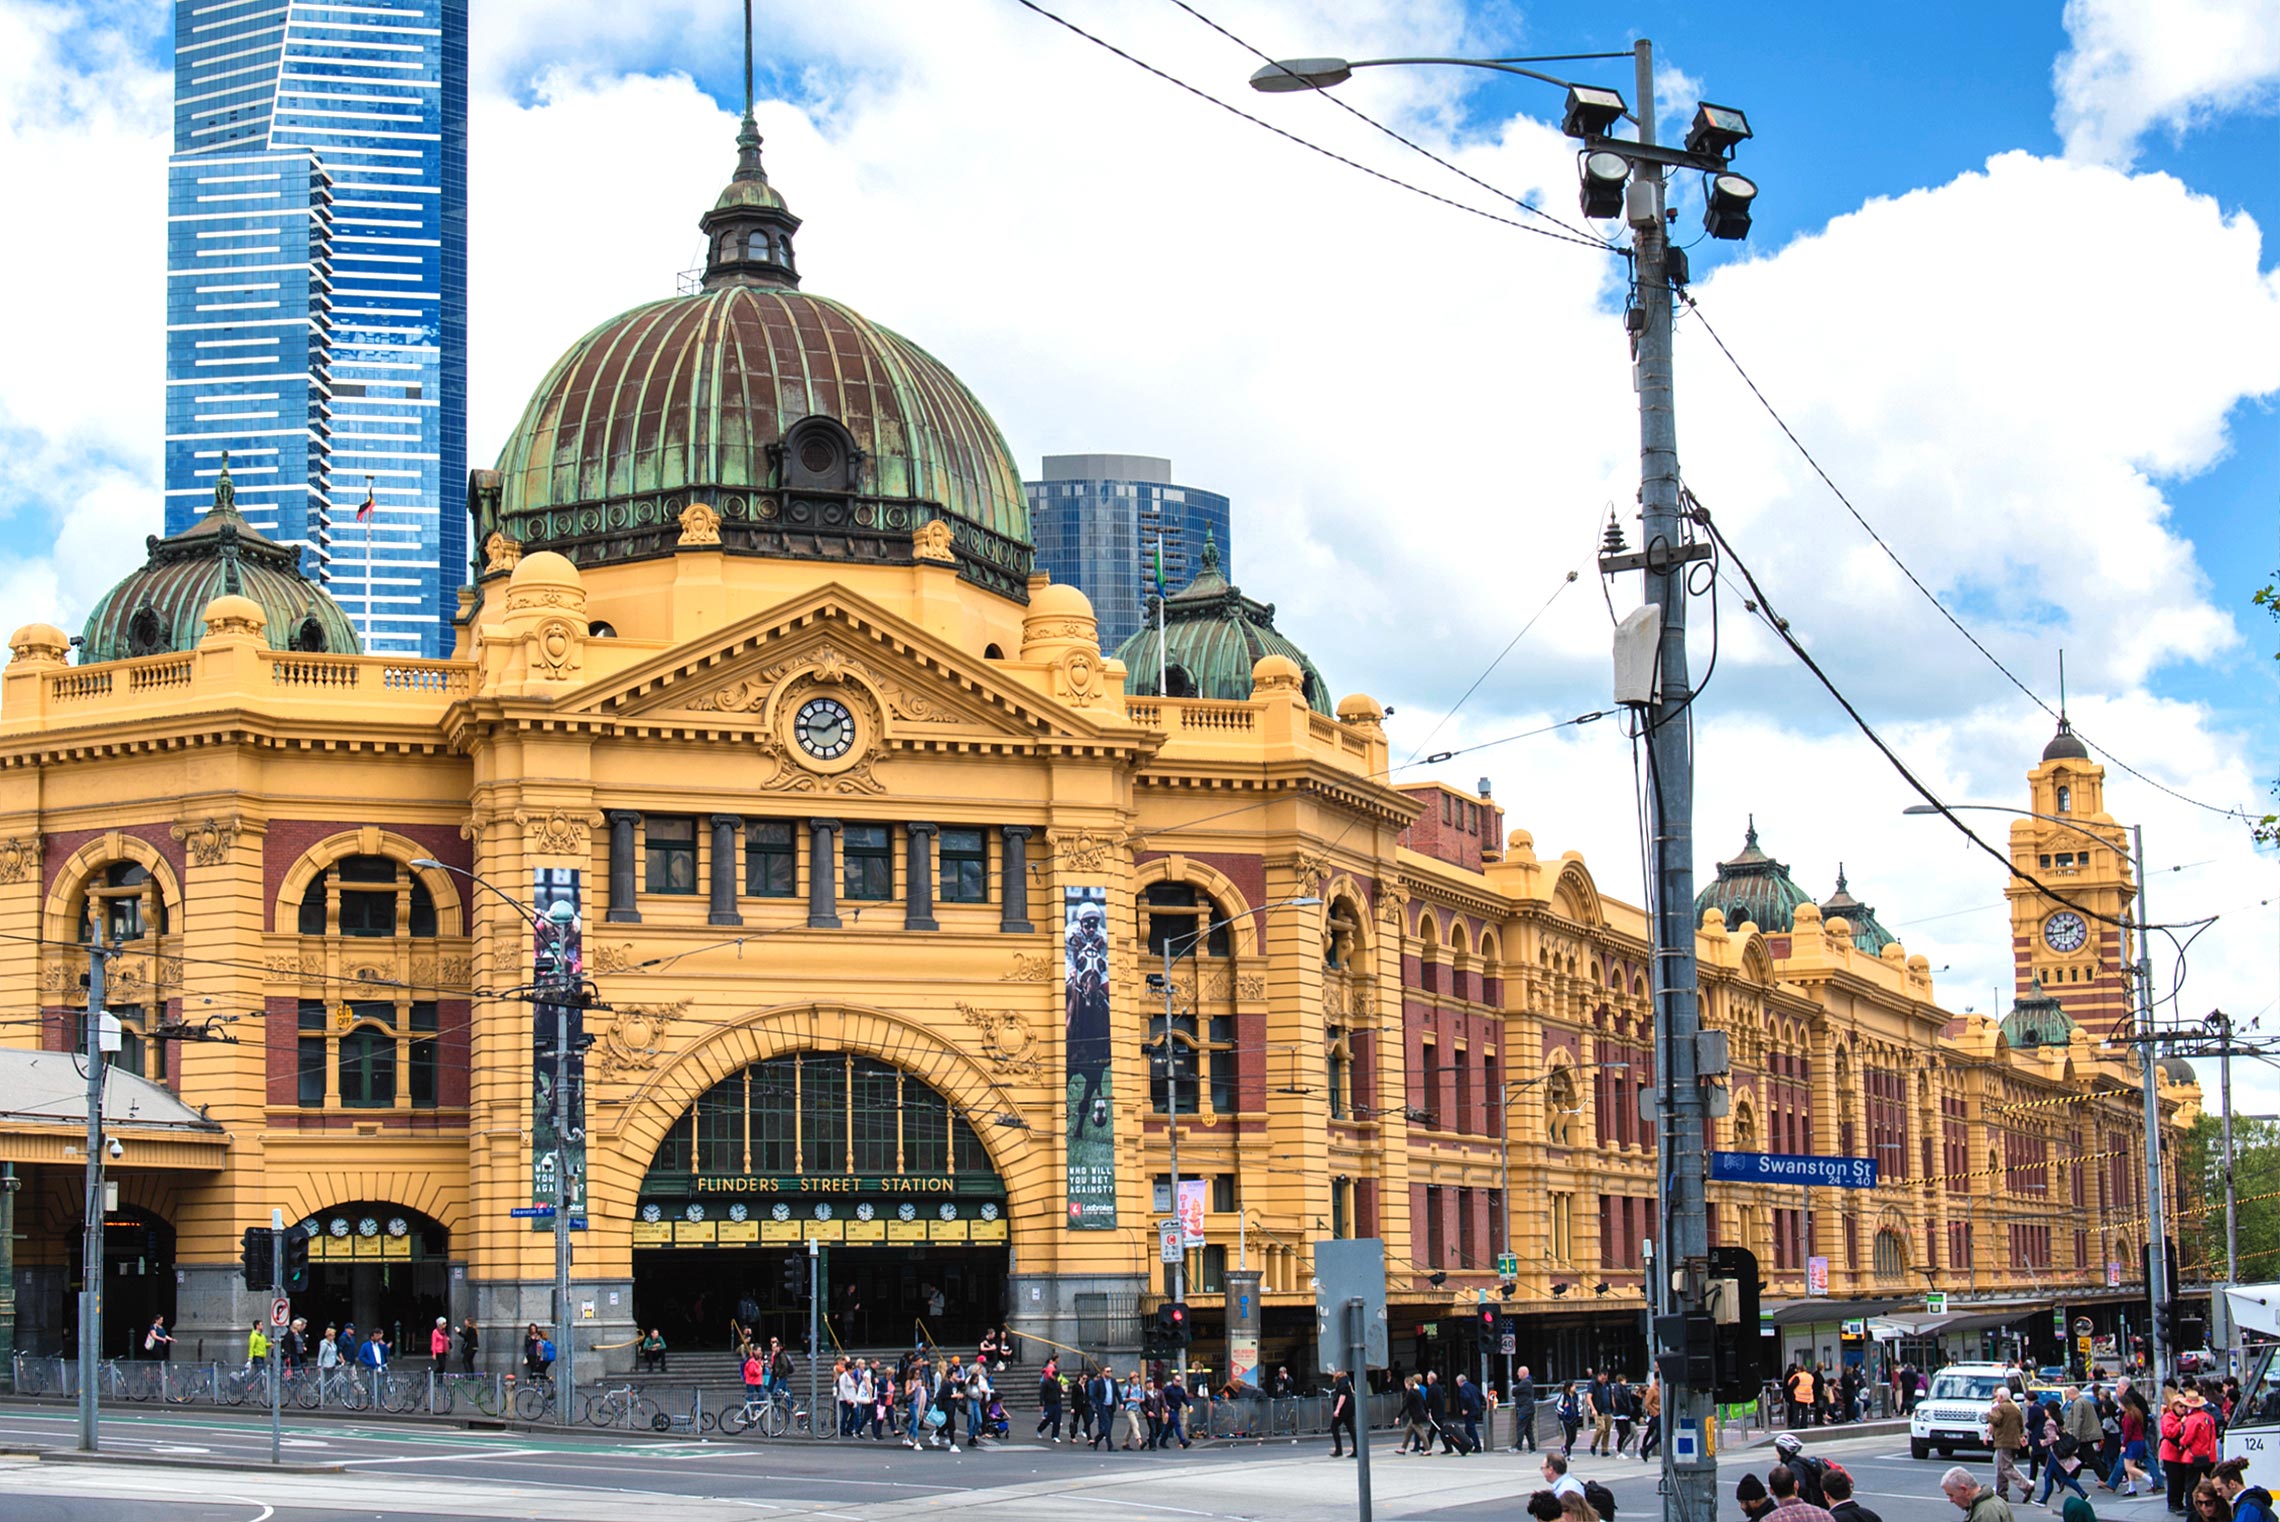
(296, 1259)
(1172, 1326)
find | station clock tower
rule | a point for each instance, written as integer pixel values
(2067, 940)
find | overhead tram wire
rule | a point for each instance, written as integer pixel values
(1695, 309)
(1783, 631)
(1489, 670)
(1314, 147)
(1405, 142)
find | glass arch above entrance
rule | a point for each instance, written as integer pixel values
(826, 1145)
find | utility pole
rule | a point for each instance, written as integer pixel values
(91, 1243)
(2224, 1090)
(1690, 1477)
(2158, 1287)
(566, 1388)
(1172, 1120)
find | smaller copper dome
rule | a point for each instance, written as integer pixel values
(2066, 745)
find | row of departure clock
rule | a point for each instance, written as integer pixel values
(782, 1211)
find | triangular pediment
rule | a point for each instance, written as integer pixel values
(828, 639)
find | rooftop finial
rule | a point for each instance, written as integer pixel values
(225, 490)
(1840, 877)
(748, 60)
(2062, 689)
(1750, 839)
(1210, 551)
(748, 232)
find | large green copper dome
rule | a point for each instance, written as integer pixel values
(1753, 886)
(161, 607)
(1216, 635)
(813, 432)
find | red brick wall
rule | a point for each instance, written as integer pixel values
(57, 847)
(288, 840)
(1366, 1223)
(281, 1025)
(1454, 827)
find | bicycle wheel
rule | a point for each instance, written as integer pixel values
(531, 1402)
(605, 1410)
(306, 1393)
(443, 1399)
(708, 1422)
(733, 1421)
(647, 1414)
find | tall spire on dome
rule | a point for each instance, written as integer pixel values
(748, 232)
(2066, 745)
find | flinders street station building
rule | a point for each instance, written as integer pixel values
(883, 876)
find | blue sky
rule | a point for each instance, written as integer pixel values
(2023, 308)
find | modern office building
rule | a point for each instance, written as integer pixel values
(317, 294)
(1098, 518)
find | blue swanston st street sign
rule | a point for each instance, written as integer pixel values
(1793, 1168)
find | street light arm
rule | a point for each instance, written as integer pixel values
(1997, 808)
(1196, 938)
(530, 916)
(1496, 65)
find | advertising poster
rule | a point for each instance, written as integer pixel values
(1092, 1144)
(551, 886)
(1195, 1195)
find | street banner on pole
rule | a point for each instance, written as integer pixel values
(551, 886)
(1816, 1276)
(1091, 1141)
(1195, 1196)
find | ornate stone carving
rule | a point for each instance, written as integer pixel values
(557, 649)
(375, 972)
(609, 956)
(1250, 988)
(558, 833)
(453, 972)
(1219, 983)
(19, 858)
(1393, 904)
(501, 552)
(1005, 1038)
(931, 541)
(284, 964)
(208, 841)
(1311, 871)
(1030, 969)
(1080, 850)
(55, 977)
(630, 1042)
(1082, 678)
(700, 526)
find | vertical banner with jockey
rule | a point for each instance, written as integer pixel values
(551, 886)
(1091, 1138)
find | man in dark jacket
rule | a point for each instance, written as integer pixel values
(1342, 1415)
(1837, 1491)
(1437, 1412)
(1523, 1412)
(1469, 1409)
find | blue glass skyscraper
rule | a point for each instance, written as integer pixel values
(1097, 520)
(317, 293)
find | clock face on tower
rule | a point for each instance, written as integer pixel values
(824, 728)
(2065, 931)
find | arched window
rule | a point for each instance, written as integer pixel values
(1200, 1015)
(146, 633)
(368, 1068)
(309, 636)
(1891, 1254)
(371, 897)
(353, 1054)
(1177, 682)
(2065, 799)
(819, 1113)
(756, 248)
(1338, 1055)
(122, 903)
(1560, 1107)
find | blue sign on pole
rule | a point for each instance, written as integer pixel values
(1793, 1168)
(532, 1212)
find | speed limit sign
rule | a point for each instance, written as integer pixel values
(280, 1312)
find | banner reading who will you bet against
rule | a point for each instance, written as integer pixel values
(1092, 1144)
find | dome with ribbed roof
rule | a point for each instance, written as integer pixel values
(1753, 886)
(815, 433)
(162, 606)
(1867, 934)
(2066, 745)
(1213, 636)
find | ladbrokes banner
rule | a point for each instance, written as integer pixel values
(1092, 1144)
(551, 886)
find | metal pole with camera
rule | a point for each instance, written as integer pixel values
(91, 1242)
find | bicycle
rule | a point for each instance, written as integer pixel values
(534, 1400)
(625, 1406)
(250, 1383)
(772, 1414)
(477, 1390)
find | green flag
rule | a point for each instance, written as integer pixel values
(1159, 568)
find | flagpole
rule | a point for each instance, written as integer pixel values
(1163, 642)
(368, 512)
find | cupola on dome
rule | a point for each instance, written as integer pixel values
(1753, 886)
(1213, 637)
(162, 607)
(815, 433)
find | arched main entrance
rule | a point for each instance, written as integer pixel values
(372, 1264)
(871, 1162)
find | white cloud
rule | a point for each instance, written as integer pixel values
(2135, 65)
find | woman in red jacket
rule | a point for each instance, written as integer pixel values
(2171, 1455)
(2197, 1439)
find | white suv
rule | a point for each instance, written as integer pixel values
(1954, 1414)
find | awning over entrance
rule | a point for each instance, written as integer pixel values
(43, 1116)
(1814, 1311)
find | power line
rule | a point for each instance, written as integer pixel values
(1417, 147)
(1487, 671)
(1312, 147)
(1915, 581)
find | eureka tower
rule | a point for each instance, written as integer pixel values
(316, 288)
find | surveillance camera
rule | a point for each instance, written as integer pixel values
(117, 1150)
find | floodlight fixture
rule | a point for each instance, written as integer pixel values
(1591, 110)
(1726, 210)
(1716, 130)
(1289, 75)
(1603, 176)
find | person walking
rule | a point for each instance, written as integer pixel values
(1650, 1404)
(1080, 1408)
(2006, 1433)
(158, 1342)
(1049, 1400)
(1414, 1436)
(2129, 1471)
(1152, 1407)
(1570, 1412)
(1977, 1502)
(1342, 1428)
(1176, 1401)
(2197, 1438)
(256, 1347)
(2063, 1453)
(2249, 1503)
(439, 1342)
(1523, 1411)
(1104, 1403)
(1599, 1410)
(1469, 1408)
(2171, 1454)
(469, 1340)
(1837, 1491)
(1625, 1409)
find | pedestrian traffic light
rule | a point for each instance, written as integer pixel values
(1490, 1323)
(1172, 1324)
(254, 1258)
(1737, 1352)
(296, 1259)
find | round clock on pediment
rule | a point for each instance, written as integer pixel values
(824, 728)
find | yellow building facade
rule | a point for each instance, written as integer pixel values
(869, 854)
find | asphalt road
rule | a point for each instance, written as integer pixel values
(423, 1472)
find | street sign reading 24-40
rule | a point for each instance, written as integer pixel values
(1793, 1168)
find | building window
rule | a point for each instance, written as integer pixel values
(1341, 1207)
(369, 890)
(1225, 1087)
(869, 872)
(379, 1051)
(1891, 1254)
(2065, 799)
(1468, 1243)
(422, 1067)
(1436, 1228)
(669, 843)
(1562, 1243)
(771, 859)
(965, 872)
(1338, 1057)
(1175, 913)
(1461, 1070)
(312, 1053)
(122, 903)
(367, 1067)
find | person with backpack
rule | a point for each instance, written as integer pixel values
(1807, 1469)
(1782, 1484)
(1625, 1408)
(2250, 1503)
(2063, 1454)
(1600, 1499)
(1570, 1413)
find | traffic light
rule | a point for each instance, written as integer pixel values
(254, 1260)
(296, 1259)
(1172, 1324)
(795, 1276)
(1491, 1323)
(2165, 1324)
(1737, 1352)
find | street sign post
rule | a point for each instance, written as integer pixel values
(1935, 1303)
(532, 1212)
(281, 1312)
(1351, 1268)
(1793, 1168)
(1170, 1245)
(1508, 1265)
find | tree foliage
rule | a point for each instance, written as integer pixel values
(2201, 1200)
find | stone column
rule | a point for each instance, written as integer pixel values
(724, 831)
(919, 869)
(1014, 879)
(622, 906)
(823, 874)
